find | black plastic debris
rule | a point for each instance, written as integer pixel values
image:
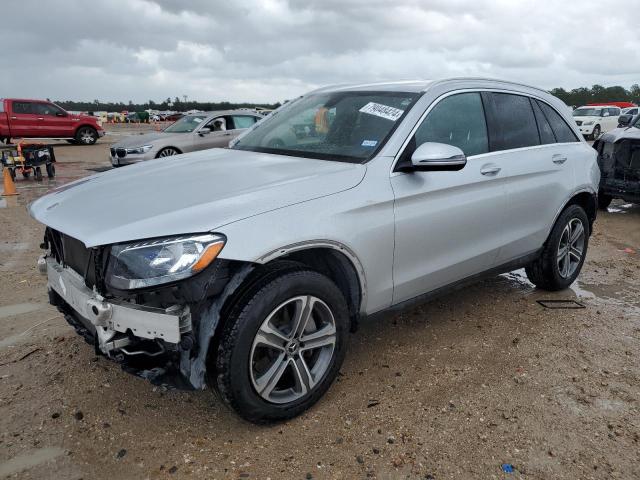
(561, 304)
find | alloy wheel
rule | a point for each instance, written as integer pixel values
(87, 137)
(168, 152)
(292, 350)
(571, 247)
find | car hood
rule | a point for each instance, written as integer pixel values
(192, 193)
(629, 133)
(145, 139)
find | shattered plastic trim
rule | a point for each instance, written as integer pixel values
(195, 368)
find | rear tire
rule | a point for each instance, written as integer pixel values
(86, 136)
(51, 170)
(564, 252)
(604, 201)
(278, 380)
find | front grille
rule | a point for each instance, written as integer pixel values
(579, 122)
(121, 152)
(72, 253)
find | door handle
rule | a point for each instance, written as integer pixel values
(14, 118)
(489, 169)
(40, 118)
(558, 159)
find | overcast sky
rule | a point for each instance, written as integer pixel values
(271, 50)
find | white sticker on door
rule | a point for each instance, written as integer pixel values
(384, 111)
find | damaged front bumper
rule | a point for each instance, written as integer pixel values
(116, 325)
(167, 346)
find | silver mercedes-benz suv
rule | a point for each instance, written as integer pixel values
(244, 269)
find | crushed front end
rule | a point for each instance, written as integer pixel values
(619, 162)
(160, 332)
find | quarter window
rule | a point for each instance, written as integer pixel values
(457, 120)
(515, 122)
(560, 128)
(546, 132)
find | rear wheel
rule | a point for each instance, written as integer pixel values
(51, 170)
(563, 255)
(282, 346)
(86, 136)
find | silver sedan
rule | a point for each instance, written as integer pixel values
(191, 133)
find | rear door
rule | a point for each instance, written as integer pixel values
(448, 225)
(23, 119)
(540, 150)
(53, 121)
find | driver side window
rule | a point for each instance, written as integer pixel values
(457, 120)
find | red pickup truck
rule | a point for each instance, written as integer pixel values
(21, 118)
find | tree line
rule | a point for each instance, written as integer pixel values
(597, 94)
(175, 105)
(575, 97)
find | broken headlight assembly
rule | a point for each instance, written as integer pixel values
(154, 262)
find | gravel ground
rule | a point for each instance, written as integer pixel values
(450, 390)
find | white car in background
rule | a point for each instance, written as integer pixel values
(631, 111)
(594, 120)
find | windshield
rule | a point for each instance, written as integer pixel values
(186, 124)
(635, 121)
(587, 112)
(341, 126)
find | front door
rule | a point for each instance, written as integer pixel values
(53, 122)
(448, 224)
(219, 136)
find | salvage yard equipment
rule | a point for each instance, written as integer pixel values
(27, 159)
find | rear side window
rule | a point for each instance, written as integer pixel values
(1, 105)
(457, 120)
(515, 122)
(243, 121)
(561, 130)
(545, 130)
(23, 108)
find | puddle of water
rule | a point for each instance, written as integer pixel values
(29, 460)
(580, 291)
(19, 309)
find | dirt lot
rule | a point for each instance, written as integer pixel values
(453, 389)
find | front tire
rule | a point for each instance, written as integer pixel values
(86, 136)
(596, 132)
(282, 346)
(564, 252)
(167, 152)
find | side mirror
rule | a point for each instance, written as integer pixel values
(624, 120)
(431, 156)
(204, 131)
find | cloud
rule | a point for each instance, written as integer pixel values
(271, 50)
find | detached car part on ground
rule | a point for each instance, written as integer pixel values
(619, 161)
(189, 134)
(245, 268)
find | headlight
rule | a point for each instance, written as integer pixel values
(143, 149)
(154, 262)
(590, 122)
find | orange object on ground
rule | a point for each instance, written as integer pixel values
(9, 186)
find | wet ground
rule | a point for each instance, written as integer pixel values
(450, 390)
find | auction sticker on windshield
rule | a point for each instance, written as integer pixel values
(384, 111)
